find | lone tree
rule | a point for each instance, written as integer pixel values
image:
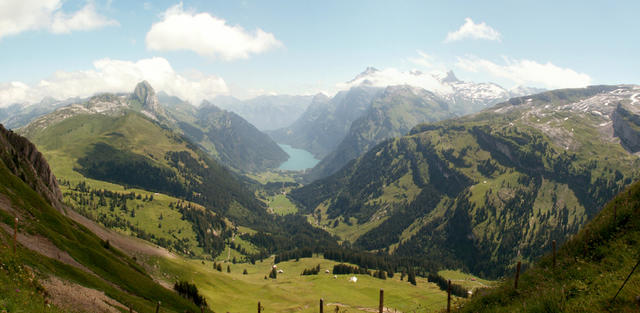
(190, 291)
(412, 277)
(228, 268)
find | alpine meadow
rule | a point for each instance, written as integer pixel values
(360, 156)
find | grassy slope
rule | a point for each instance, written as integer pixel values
(148, 215)
(120, 277)
(590, 269)
(291, 292)
(469, 281)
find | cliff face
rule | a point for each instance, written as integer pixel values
(146, 95)
(627, 127)
(25, 161)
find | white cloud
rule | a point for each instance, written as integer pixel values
(116, 76)
(393, 76)
(18, 16)
(425, 60)
(527, 72)
(474, 31)
(85, 19)
(206, 35)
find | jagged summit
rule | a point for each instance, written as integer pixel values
(147, 97)
(450, 78)
(370, 70)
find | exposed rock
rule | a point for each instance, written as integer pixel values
(146, 95)
(627, 127)
(25, 161)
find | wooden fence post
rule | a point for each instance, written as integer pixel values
(15, 234)
(553, 243)
(448, 296)
(381, 300)
(321, 306)
(517, 275)
(158, 306)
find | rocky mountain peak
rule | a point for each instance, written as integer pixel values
(366, 73)
(450, 78)
(147, 97)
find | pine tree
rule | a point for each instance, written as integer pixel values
(412, 277)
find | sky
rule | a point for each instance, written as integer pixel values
(200, 49)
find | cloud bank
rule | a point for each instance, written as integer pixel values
(116, 76)
(392, 76)
(527, 72)
(17, 16)
(206, 35)
(471, 30)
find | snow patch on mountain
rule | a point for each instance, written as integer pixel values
(469, 96)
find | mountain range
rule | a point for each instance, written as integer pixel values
(120, 138)
(340, 129)
(480, 191)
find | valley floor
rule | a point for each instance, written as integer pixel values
(292, 292)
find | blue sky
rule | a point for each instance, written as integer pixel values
(306, 47)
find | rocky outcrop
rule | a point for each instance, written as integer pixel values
(25, 161)
(146, 95)
(626, 126)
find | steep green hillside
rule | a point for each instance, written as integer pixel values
(227, 136)
(590, 269)
(393, 113)
(55, 252)
(480, 192)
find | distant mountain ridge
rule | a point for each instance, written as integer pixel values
(266, 112)
(326, 121)
(392, 113)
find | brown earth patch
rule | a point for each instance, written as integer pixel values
(77, 298)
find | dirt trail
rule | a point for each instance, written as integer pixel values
(76, 298)
(45, 247)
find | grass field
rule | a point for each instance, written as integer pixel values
(291, 292)
(281, 205)
(466, 280)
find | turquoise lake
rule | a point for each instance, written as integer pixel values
(298, 159)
